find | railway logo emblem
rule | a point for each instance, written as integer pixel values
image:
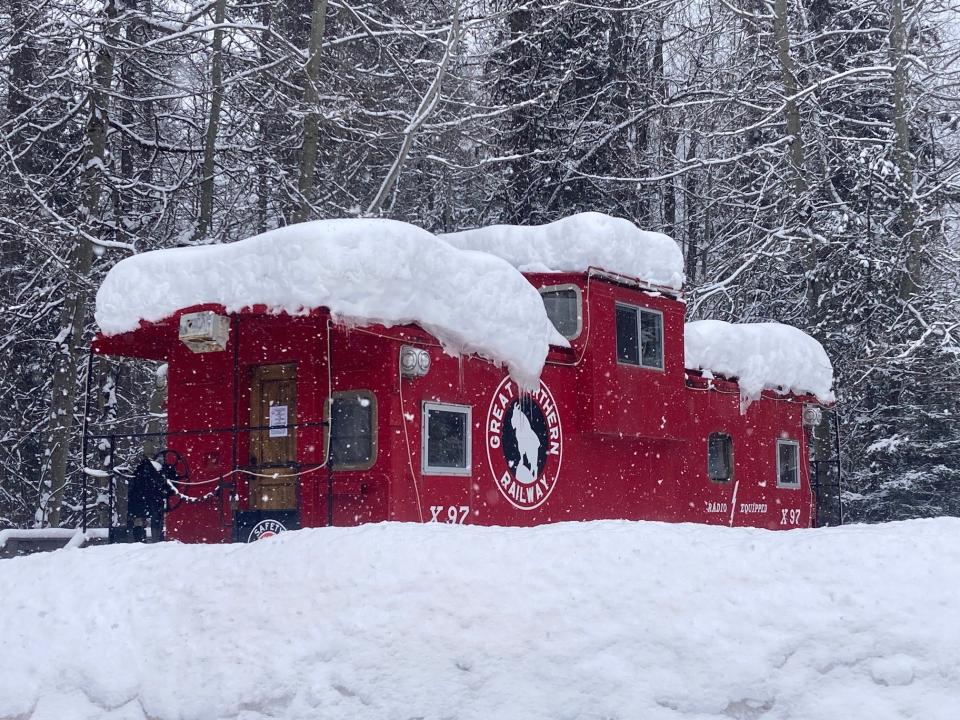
(524, 442)
(265, 529)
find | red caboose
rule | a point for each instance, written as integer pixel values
(354, 371)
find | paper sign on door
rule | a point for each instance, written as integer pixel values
(278, 421)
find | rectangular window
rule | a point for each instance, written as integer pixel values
(628, 341)
(639, 336)
(788, 463)
(353, 425)
(651, 339)
(720, 457)
(446, 439)
(562, 303)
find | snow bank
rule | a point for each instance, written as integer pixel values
(579, 242)
(366, 271)
(761, 356)
(593, 620)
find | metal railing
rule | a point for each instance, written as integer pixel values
(220, 481)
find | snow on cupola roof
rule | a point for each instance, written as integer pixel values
(760, 356)
(364, 270)
(578, 243)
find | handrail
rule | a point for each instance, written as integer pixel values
(210, 431)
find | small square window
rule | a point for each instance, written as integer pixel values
(788, 463)
(562, 303)
(639, 337)
(352, 430)
(720, 457)
(446, 439)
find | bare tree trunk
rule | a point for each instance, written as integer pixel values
(23, 73)
(800, 189)
(136, 84)
(908, 220)
(800, 205)
(25, 160)
(263, 182)
(130, 80)
(692, 222)
(263, 132)
(205, 221)
(668, 137)
(517, 87)
(106, 384)
(427, 104)
(73, 315)
(707, 240)
(156, 411)
(308, 155)
(656, 131)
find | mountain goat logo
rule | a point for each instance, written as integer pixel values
(524, 442)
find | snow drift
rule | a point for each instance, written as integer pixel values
(365, 271)
(578, 243)
(761, 356)
(594, 620)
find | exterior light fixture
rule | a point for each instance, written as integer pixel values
(414, 362)
(812, 415)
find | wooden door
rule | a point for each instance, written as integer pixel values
(273, 445)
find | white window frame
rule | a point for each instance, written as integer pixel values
(663, 350)
(425, 467)
(795, 444)
(579, 293)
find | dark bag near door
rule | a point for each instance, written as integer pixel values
(147, 499)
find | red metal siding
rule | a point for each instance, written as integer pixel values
(624, 441)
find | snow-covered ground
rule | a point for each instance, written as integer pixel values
(594, 620)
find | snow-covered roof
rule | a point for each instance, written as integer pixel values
(363, 270)
(761, 356)
(579, 242)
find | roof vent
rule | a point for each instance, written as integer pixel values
(204, 332)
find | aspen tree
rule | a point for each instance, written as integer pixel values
(910, 279)
(308, 153)
(73, 315)
(208, 170)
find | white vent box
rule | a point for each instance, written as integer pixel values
(204, 331)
